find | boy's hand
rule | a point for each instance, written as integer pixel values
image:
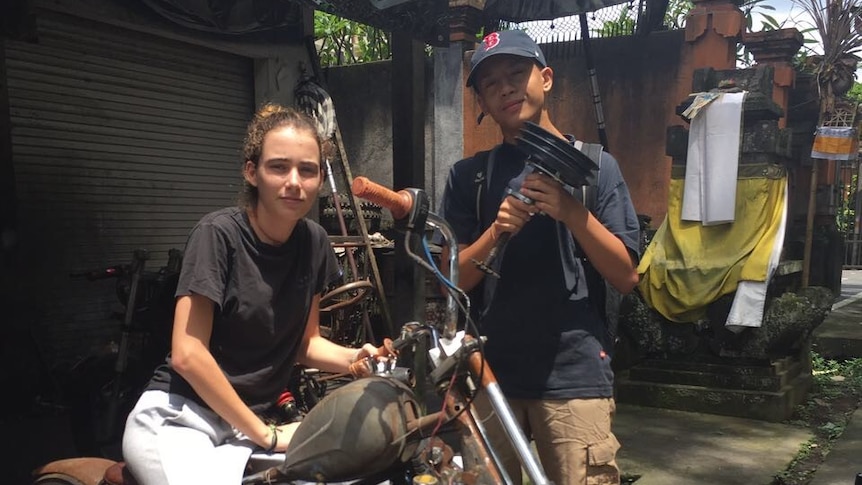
(549, 196)
(512, 216)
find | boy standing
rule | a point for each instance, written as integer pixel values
(547, 341)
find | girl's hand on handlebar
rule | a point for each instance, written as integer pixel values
(361, 367)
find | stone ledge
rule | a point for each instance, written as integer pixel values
(741, 380)
(840, 334)
(762, 405)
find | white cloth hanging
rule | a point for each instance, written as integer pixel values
(713, 160)
(750, 298)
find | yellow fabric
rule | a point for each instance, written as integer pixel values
(688, 265)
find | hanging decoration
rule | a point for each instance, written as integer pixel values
(836, 143)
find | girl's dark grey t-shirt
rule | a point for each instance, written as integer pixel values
(262, 297)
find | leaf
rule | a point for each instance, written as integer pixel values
(771, 20)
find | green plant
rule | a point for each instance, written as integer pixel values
(835, 395)
(750, 10)
(794, 474)
(676, 13)
(831, 430)
(831, 372)
(751, 7)
(624, 24)
(838, 26)
(678, 10)
(855, 93)
(340, 41)
(845, 217)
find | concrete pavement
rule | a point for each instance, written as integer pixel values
(667, 447)
(844, 461)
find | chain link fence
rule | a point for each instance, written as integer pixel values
(616, 20)
(611, 21)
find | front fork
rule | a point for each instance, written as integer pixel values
(480, 461)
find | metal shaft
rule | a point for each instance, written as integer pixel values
(594, 82)
(478, 367)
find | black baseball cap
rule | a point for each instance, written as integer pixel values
(513, 42)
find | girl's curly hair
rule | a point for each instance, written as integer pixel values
(269, 117)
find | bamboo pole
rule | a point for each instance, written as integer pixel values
(812, 204)
(809, 224)
(857, 214)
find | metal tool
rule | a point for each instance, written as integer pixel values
(549, 155)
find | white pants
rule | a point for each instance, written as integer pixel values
(171, 440)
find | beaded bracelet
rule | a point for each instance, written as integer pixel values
(274, 442)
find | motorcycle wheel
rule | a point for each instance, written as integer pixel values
(56, 479)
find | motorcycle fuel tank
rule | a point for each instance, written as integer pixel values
(355, 431)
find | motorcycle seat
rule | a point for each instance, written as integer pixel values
(118, 474)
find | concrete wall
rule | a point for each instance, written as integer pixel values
(362, 95)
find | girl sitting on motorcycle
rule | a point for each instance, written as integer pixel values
(247, 311)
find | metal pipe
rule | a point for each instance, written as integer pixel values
(594, 81)
(451, 325)
(336, 201)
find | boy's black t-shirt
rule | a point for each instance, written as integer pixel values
(262, 297)
(541, 344)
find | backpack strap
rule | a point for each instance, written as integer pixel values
(605, 297)
(485, 161)
(589, 193)
(481, 159)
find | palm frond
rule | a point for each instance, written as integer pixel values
(839, 25)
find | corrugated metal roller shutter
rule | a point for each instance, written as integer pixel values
(121, 140)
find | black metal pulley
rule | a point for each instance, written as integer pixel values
(556, 157)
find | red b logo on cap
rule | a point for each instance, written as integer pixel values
(491, 40)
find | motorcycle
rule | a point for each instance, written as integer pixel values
(376, 429)
(99, 388)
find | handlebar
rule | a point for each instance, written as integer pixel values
(139, 256)
(103, 273)
(413, 205)
(399, 203)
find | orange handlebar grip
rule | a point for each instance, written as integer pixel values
(398, 203)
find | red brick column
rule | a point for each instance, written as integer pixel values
(712, 30)
(776, 48)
